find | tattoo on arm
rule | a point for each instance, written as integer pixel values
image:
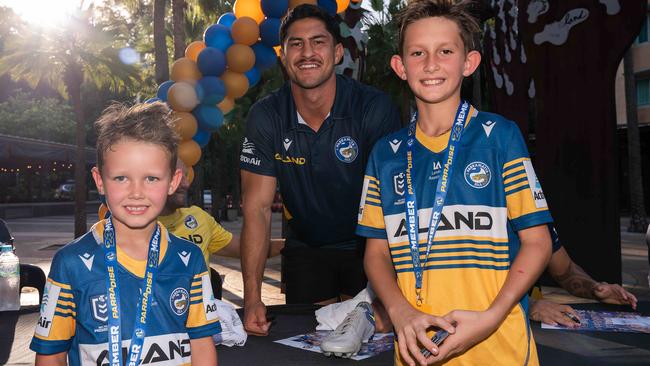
(577, 281)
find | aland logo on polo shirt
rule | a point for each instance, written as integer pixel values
(346, 149)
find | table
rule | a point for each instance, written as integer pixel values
(555, 347)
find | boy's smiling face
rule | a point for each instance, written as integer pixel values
(136, 180)
(434, 61)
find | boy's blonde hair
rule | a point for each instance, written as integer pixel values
(151, 123)
(459, 12)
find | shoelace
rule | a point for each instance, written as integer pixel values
(347, 322)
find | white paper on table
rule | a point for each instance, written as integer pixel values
(379, 343)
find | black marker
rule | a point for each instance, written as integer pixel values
(437, 339)
(572, 317)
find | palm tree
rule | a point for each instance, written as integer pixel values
(638, 220)
(161, 55)
(66, 57)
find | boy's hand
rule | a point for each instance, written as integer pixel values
(471, 328)
(551, 313)
(613, 294)
(411, 327)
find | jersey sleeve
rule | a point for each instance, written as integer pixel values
(202, 320)
(257, 148)
(524, 196)
(219, 237)
(370, 221)
(57, 320)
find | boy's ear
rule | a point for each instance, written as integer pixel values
(398, 66)
(97, 177)
(472, 60)
(176, 180)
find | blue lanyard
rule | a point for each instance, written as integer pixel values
(144, 301)
(441, 192)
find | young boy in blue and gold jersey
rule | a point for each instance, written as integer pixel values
(128, 292)
(452, 209)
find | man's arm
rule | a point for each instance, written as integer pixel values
(57, 359)
(257, 196)
(474, 326)
(575, 280)
(203, 352)
(233, 249)
(410, 324)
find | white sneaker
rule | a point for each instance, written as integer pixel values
(357, 328)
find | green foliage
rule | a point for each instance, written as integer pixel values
(44, 119)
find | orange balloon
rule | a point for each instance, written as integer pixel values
(278, 50)
(185, 125)
(193, 49)
(182, 97)
(356, 1)
(245, 31)
(249, 8)
(341, 5)
(226, 105)
(236, 83)
(240, 58)
(190, 152)
(294, 3)
(189, 174)
(184, 69)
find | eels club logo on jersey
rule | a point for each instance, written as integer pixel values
(346, 149)
(179, 301)
(190, 222)
(477, 174)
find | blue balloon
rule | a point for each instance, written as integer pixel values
(218, 36)
(265, 56)
(199, 91)
(210, 118)
(253, 76)
(211, 62)
(275, 8)
(163, 89)
(202, 137)
(328, 5)
(214, 90)
(270, 32)
(153, 100)
(227, 19)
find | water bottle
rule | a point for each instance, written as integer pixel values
(9, 279)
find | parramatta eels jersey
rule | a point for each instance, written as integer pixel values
(493, 193)
(74, 311)
(199, 227)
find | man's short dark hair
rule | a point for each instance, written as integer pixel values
(309, 11)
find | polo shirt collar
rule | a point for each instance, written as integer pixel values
(340, 110)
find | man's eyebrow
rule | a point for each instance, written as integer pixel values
(318, 36)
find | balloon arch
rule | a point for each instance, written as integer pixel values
(223, 66)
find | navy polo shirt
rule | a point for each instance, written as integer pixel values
(320, 174)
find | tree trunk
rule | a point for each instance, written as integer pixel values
(638, 220)
(73, 78)
(159, 43)
(178, 25)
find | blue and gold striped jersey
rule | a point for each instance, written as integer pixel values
(74, 311)
(493, 193)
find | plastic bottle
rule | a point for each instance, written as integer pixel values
(9, 279)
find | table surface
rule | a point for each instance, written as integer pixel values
(555, 347)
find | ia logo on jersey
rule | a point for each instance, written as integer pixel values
(478, 175)
(190, 222)
(286, 143)
(346, 149)
(395, 144)
(87, 259)
(179, 301)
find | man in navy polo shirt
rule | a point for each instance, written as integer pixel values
(312, 137)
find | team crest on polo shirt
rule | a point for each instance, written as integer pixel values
(190, 222)
(477, 174)
(179, 301)
(346, 149)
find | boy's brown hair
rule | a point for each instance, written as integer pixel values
(459, 12)
(146, 122)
